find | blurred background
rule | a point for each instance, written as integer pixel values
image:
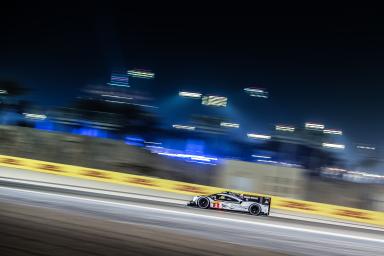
(193, 136)
(281, 103)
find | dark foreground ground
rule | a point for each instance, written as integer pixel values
(39, 221)
(27, 230)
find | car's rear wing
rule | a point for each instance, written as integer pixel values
(264, 200)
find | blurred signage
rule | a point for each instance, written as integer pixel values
(352, 214)
(297, 205)
(96, 174)
(217, 101)
(142, 181)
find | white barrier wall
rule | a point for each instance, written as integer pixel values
(262, 178)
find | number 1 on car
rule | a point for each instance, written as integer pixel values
(216, 205)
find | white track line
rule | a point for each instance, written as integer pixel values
(308, 230)
(325, 220)
(183, 202)
(97, 191)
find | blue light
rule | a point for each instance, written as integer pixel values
(45, 125)
(119, 80)
(188, 157)
(118, 84)
(198, 162)
(92, 132)
(195, 146)
(134, 141)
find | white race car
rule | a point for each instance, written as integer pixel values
(254, 205)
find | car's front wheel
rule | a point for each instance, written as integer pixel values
(203, 203)
(254, 209)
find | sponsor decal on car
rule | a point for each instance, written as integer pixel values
(217, 205)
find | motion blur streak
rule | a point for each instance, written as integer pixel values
(217, 228)
(309, 230)
(258, 136)
(331, 145)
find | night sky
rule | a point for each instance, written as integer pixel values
(318, 65)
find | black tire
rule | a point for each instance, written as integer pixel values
(254, 209)
(203, 203)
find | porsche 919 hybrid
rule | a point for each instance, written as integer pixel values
(254, 205)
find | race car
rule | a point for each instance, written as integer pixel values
(254, 205)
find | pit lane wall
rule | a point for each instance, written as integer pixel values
(281, 203)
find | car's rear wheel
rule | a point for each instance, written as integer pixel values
(203, 203)
(254, 209)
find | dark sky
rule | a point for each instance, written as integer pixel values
(318, 64)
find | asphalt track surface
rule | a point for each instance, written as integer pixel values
(38, 221)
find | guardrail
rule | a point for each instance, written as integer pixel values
(327, 210)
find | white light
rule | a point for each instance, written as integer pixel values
(258, 136)
(365, 147)
(117, 97)
(192, 157)
(267, 161)
(314, 126)
(115, 101)
(142, 105)
(230, 125)
(152, 142)
(185, 127)
(330, 145)
(129, 103)
(3, 92)
(254, 92)
(150, 146)
(284, 128)
(117, 84)
(35, 116)
(190, 95)
(141, 74)
(336, 132)
(258, 156)
(214, 101)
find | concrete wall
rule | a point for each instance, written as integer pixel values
(365, 196)
(298, 184)
(98, 153)
(262, 178)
